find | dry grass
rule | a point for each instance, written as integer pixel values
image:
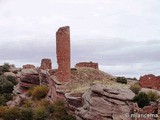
(83, 78)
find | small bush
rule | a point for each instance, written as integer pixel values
(5, 85)
(27, 104)
(142, 99)
(39, 92)
(3, 100)
(30, 91)
(122, 80)
(2, 110)
(11, 113)
(5, 68)
(26, 114)
(153, 96)
(60, 111)
(12, 79)
(135, 88)
(40, 113)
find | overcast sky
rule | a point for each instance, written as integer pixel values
(123, 36)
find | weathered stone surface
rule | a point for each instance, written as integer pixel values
(103, 103)
(28, 66)
(29, 71)
(150, 81)
(46, 64)
(87, 64)
(18, 101)
(29, 78)
(63, 53)
(146, 110)
(74, 100)
(10, 74)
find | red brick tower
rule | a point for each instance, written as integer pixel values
(63, 53)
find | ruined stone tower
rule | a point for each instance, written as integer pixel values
(63, 53)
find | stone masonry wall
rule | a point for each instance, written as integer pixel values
(150, 81)
(28, 66)
(63, 53)
(87, 64)
(46, 64)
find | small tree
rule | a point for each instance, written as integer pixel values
(142, 99)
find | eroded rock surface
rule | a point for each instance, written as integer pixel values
(103, 103)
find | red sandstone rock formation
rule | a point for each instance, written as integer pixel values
(150, 81)
(46, 64)
(28, 66)
(63, 53)
(87, 64)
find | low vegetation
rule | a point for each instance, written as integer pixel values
(4, 68)
(153, 96)
(6, 87)
(122, 80)
(142, 99)
(41, 110)
(38, 92)
(135, 88)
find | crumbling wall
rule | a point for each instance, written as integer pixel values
(87, 64)
(46, 64)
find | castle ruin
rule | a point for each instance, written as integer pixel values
(63, 53)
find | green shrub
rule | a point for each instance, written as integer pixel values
(27, 104)
(122, 80)
(60, 111)
(39, 92)
(12, 79)
(142, 99)
(40, 113)
(135, 88)
(5, 85)
(153, 96)
(26, 114)
(3, 100)
(11, 113)
(2, 111)
(5, 68)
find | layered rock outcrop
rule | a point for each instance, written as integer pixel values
(103, 103)
(29, 78)
(150, 81)
(87, 64)
(63, 53)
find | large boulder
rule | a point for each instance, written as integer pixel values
(29, 78)
(10, 74)
(105, 103)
